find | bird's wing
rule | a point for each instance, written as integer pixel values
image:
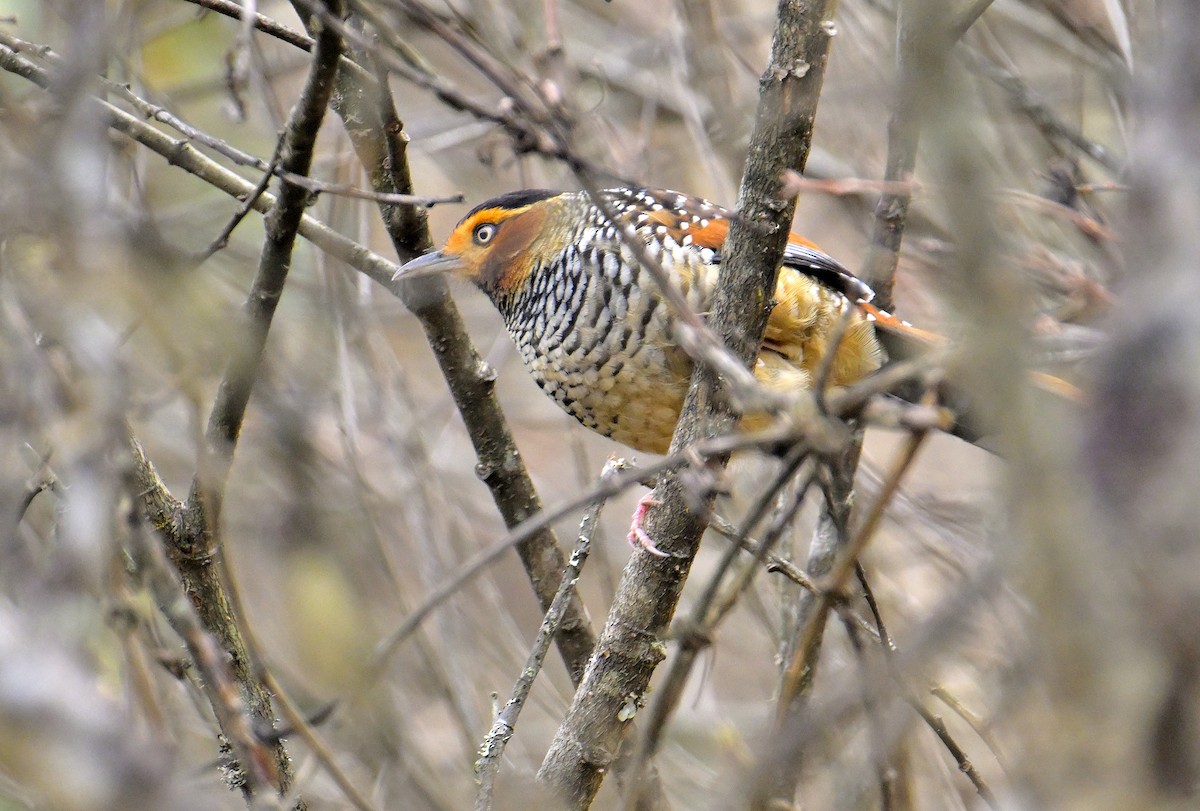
(807, 258)
(678, 219)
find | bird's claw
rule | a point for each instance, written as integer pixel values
(638, 538)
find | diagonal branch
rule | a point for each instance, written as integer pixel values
(378, 137)
(914, 59)
(182, 154)
(282, 224)
(190, 529)
(505, 724)
(258, 766)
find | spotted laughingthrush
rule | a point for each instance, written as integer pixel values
(596, 333)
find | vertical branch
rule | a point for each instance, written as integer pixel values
(904, 131)
(1142, 444)
(829, 538)
(282, 223)
(630, 648)
(916, 56)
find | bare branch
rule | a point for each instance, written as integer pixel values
(180, 153)
(190, 530)
(800, 667)
(505, 724)
(699, 629)
(261, 22)
(378, 136)
(626, 656)
(257, 765)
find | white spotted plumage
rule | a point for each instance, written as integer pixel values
(594, 329)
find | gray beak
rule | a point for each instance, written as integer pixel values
(427, 265)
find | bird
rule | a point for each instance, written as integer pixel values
(593, 327)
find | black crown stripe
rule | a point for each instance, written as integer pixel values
(513, 199)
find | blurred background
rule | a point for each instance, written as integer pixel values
(353, 493)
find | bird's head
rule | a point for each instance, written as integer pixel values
(496, 246)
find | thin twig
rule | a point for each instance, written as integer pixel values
(527, 134)
(324, 755)
(263, 23)
(932, 721)
(158, 113)
(965, 766)
(978, 725)
(241, 158)
(794, 183)
(773, 562)
(222, 239)
(471, 567)
(44, 480)
(181, 154)
(1027, 101)
(801, 663)
(492, 749)
(1089, 226)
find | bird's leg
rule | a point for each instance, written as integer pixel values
(638, 537)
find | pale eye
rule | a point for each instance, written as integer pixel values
(484, 233)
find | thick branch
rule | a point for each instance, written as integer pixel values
(630, 646)
(259, 766)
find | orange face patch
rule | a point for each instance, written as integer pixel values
(500, 257)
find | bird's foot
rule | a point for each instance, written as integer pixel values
(638, 537)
